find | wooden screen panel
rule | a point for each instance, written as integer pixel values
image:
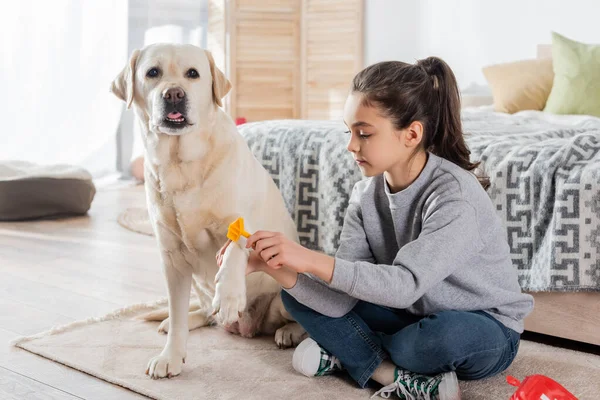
(332, 55)
(267, 59)
(287, 58)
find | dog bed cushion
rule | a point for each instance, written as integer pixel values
(31, 191)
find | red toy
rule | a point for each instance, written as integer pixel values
(539, 387)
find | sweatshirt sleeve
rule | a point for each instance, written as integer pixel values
(449, 237)
(354, 245)
(315, 293)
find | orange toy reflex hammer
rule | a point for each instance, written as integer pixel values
(236, 229)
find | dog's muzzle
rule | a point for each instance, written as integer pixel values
(175, 108)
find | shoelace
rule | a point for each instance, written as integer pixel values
(423, 392)
(333, 362)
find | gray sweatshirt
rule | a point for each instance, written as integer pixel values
(436, 245)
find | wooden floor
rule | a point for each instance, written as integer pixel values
(55, 272)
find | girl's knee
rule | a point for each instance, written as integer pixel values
(450, 326)
(440, 320)
(289, 302)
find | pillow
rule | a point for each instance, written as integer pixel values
(576, 88)
(30, 191)
(520, 85)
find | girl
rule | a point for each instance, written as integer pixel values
(422, 288)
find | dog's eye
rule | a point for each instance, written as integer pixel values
(153, 72)
(192, 73)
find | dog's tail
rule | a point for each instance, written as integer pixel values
(163, 313)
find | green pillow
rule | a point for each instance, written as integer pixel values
(576, 87)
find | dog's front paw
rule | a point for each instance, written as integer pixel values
(230, 300)
(290, 335)
(166, 365)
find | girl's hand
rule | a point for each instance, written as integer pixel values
(255, 263)
(276, 250)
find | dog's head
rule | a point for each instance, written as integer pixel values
(176, 85)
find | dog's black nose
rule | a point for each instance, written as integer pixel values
(173, 95)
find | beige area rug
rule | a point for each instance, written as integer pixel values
(136, 220)
(116, 348)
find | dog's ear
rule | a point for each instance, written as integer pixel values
(122, 86)
(220, 84)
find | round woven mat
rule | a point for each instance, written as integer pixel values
(136, 220)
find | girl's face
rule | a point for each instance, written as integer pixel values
(374, 142)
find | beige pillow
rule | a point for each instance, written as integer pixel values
(520, 85)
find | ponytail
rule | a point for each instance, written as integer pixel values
(446, 139)
(425, 92)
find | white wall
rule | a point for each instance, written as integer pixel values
(470, 34)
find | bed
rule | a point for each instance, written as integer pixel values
(545, 174)
(572, 312)
(545, 186)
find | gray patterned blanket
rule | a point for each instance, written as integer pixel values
(545, 175)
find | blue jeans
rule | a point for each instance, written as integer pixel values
(474, 344)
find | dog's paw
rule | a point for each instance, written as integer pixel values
(230, 292)
(166, 365)
(290, 335)
(229, 302)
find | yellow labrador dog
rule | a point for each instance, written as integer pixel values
(200, 176)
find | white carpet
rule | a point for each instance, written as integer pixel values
(116, 348)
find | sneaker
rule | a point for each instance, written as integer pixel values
(411, 386)
(311, 359)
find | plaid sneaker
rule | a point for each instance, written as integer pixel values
(310, 359)
(411, 386)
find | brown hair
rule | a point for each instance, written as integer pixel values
(426, 92)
